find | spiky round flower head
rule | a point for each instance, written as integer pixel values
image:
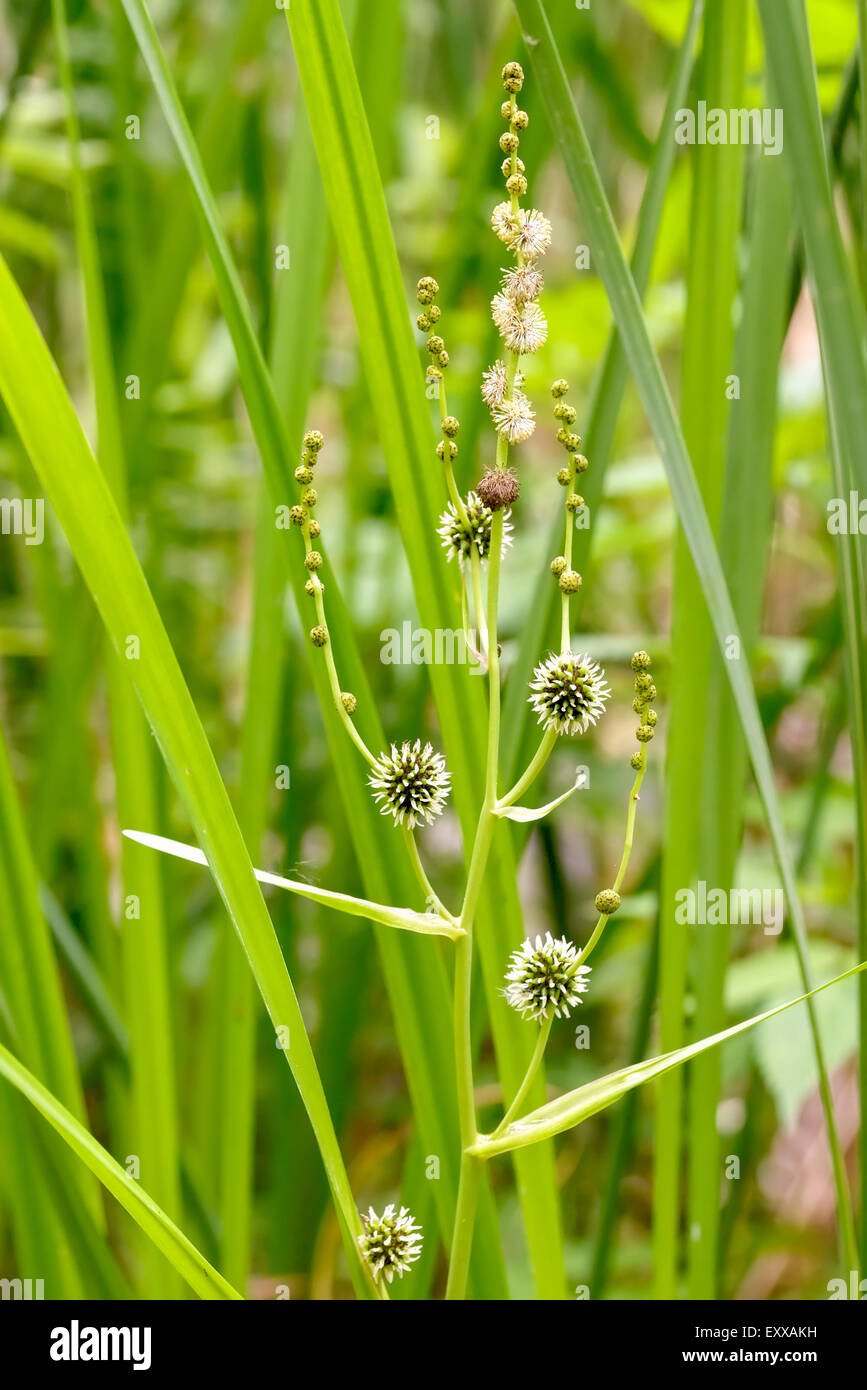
(428, 289)
(640, 662)
(558, 565)
(531, 233)
(319, 636)
(313, 440)
(495, 383)
(523, 327)
(498, 488)
(412, 782)
(569, 693)
(570, 581)
(348, 701)
(522, 283)
(514, 418)
(504, 222)
(459, 539)
(513, 77)
(607, 901)
(390, 1243)
(545, 978)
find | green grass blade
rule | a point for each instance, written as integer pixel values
(697, 765)
(202, 1278)
(154, 1136)
(843, 334)
(602, 232)
(41, 410)
(32, 987)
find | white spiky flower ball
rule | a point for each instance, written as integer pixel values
(569, 693)
(459, 537)
(545, 978)
(515, 418)
(390, 1243)
(523, 283)
(495, 384)
(412, 782)
(530, 233)
(504, 222)
(523, 327)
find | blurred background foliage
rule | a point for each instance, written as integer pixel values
(429, 71)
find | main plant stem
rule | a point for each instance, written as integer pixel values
(470, 1174)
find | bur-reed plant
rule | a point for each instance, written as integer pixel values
(530, 982)
(545, 978)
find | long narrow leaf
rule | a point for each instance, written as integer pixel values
(206, 1281)
(577, 1106)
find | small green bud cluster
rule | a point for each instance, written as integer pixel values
(571, 442)
(514, 171)
(607, 901)
(430, 315)
(447, 449)
(568, 579)
(645, 694)
(301, 515)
